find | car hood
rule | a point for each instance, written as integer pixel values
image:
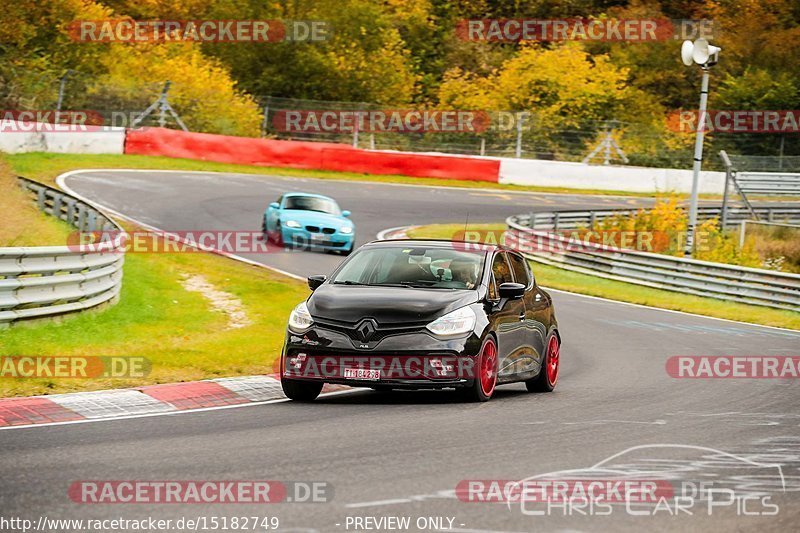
(387, 305)
(315, 218)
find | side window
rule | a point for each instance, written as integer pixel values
(521, 274)
(501, 274)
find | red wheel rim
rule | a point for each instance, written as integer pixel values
(552, 361)
(488, 368)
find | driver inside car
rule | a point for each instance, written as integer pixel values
(464, 272)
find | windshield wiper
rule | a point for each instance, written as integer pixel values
(349, 282)
(420, 284)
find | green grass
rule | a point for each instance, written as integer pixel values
(156, 318)
(45, 167)
(22, 223)
(558, 278)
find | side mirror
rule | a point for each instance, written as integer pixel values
(511, 291)
(345, 213)
(316, 281)
(275, 205)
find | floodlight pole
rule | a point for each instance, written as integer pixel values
(698, 163)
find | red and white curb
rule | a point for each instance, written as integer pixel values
(148, 400)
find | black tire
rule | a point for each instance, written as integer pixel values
(478, 392)
(346, 252)
(301, 391)
(544, 382)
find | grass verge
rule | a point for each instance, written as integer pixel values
(557, 278)
(174, 328)
(45, 166)
(22, 223)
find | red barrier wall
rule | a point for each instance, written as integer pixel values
(307, 155)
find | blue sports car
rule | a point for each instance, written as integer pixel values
(301, 220)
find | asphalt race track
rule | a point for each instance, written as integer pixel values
(616, 413)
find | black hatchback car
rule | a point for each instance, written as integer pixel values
(414, 314)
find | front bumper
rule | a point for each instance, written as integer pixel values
(413, 360)
(302, 238)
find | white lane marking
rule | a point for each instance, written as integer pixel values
(381, 236)
(464, 530)
(171, 413)
(606, 421)
(639, 305)
(673, 311)
(378, 502)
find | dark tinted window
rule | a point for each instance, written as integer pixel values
(434, 267)
(312, 203)
(520, 269)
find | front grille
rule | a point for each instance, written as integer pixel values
(313, 229)
(328, 231)
(383, 331)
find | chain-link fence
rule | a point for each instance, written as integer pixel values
(513, 133)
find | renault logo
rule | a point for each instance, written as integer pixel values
(366, 329)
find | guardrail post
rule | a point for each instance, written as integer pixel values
(532, 220)
(57, 206)
(556, 217)
(728, 169)
(592, 219)
(41, 199)
(81, 218)
(92, 220)
(770, 215)
(70, 211)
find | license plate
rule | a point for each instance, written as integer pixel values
(319, 239)
(361, 373)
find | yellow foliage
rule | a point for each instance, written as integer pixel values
(202, 92)
(562, 84)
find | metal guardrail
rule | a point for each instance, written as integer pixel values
(768, 183)
(46, 281)
(556, 220)
(725, 282)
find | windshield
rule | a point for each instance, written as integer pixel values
(311, 203)
(436, 268)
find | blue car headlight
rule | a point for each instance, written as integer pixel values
(346, 230)
(291, 224)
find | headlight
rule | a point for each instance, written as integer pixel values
(292, 224)
(300, 319)
(347, 230)
(456, 322)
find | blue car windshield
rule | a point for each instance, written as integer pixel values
(418, 266)
(312, 203)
